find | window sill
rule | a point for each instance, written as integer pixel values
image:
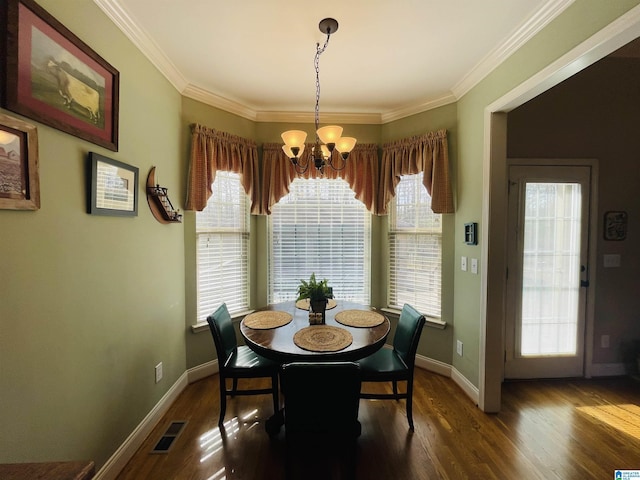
(204, 326)
(430, 321)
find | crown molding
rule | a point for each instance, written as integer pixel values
(208, 98)
(326, 117)
(140, 39)
(401, 113)
(522, 35)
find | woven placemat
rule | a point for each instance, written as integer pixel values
(359, 318)
(267, 319)
(304, 304)
(322, 338)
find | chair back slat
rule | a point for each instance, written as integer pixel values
(405, 340)
(224, 335)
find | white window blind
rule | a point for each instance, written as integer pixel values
(415, 242)
(319, 227)
(222, 231)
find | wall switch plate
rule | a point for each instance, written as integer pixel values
(459, 347)
(611, 261)
(463, 264)
(474, 265)
(158, 372)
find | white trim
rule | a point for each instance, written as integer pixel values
(203, 371)
(467, 387)
(424, 106)
(125, 452)
(326, 117)
(217, 101)
(608, 369)
(434, 366)
(518, 38)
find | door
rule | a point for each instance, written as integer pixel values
(547, 276)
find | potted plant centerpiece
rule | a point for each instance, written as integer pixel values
(318, 293)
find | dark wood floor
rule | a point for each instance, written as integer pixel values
(557, 429)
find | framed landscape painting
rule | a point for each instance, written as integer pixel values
(53, 77)
(19, 182)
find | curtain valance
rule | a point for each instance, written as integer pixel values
(428, 153)
(361, 173)
(211, 151)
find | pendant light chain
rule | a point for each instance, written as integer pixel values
(316, 64)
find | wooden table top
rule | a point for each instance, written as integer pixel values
(277, 343)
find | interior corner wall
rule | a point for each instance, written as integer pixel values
(561, 124)
(90, 304)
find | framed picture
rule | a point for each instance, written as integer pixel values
(53, 77)
(19, 182)
(615, 225)
(113, 187)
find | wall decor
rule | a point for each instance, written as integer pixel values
(615, 225)
(113, 187)
(158, 200)
(53, 77)
(19, 181)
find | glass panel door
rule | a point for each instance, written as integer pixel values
(548, 234)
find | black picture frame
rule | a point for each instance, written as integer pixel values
(53, 77)
(112, 187)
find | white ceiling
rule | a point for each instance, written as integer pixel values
(388, 59)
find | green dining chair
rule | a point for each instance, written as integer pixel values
(239, 362)
(387, 365)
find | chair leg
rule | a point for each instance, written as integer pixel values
(223, 400)
(234, 388)
(395, 387)
(410, 403)
(276, 398)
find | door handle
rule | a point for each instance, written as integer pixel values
(583, 283)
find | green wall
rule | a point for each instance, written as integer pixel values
(90, 304)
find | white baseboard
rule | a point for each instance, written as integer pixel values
(203, 371)
(608, 369)
(447, 370)
(125, 452)
(467, 387)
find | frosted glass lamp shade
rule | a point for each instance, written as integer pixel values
(325, 151)
(329, 134)
(345, 144)
(294, 138)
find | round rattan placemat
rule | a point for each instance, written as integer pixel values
(267, 319)
(359, 318)
(304, 304)
(322, 338)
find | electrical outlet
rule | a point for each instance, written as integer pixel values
(604, 341)
(463, 264)
(158, 372)
(459, 347)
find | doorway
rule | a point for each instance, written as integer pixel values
(547, 270)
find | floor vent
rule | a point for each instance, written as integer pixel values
(169, 436)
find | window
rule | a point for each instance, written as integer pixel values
(319, 227)
(415, 243)
(222, 231)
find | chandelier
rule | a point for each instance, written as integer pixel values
(330, 136)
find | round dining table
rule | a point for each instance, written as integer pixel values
(281, 343)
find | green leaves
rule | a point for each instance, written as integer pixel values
(314, 290)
